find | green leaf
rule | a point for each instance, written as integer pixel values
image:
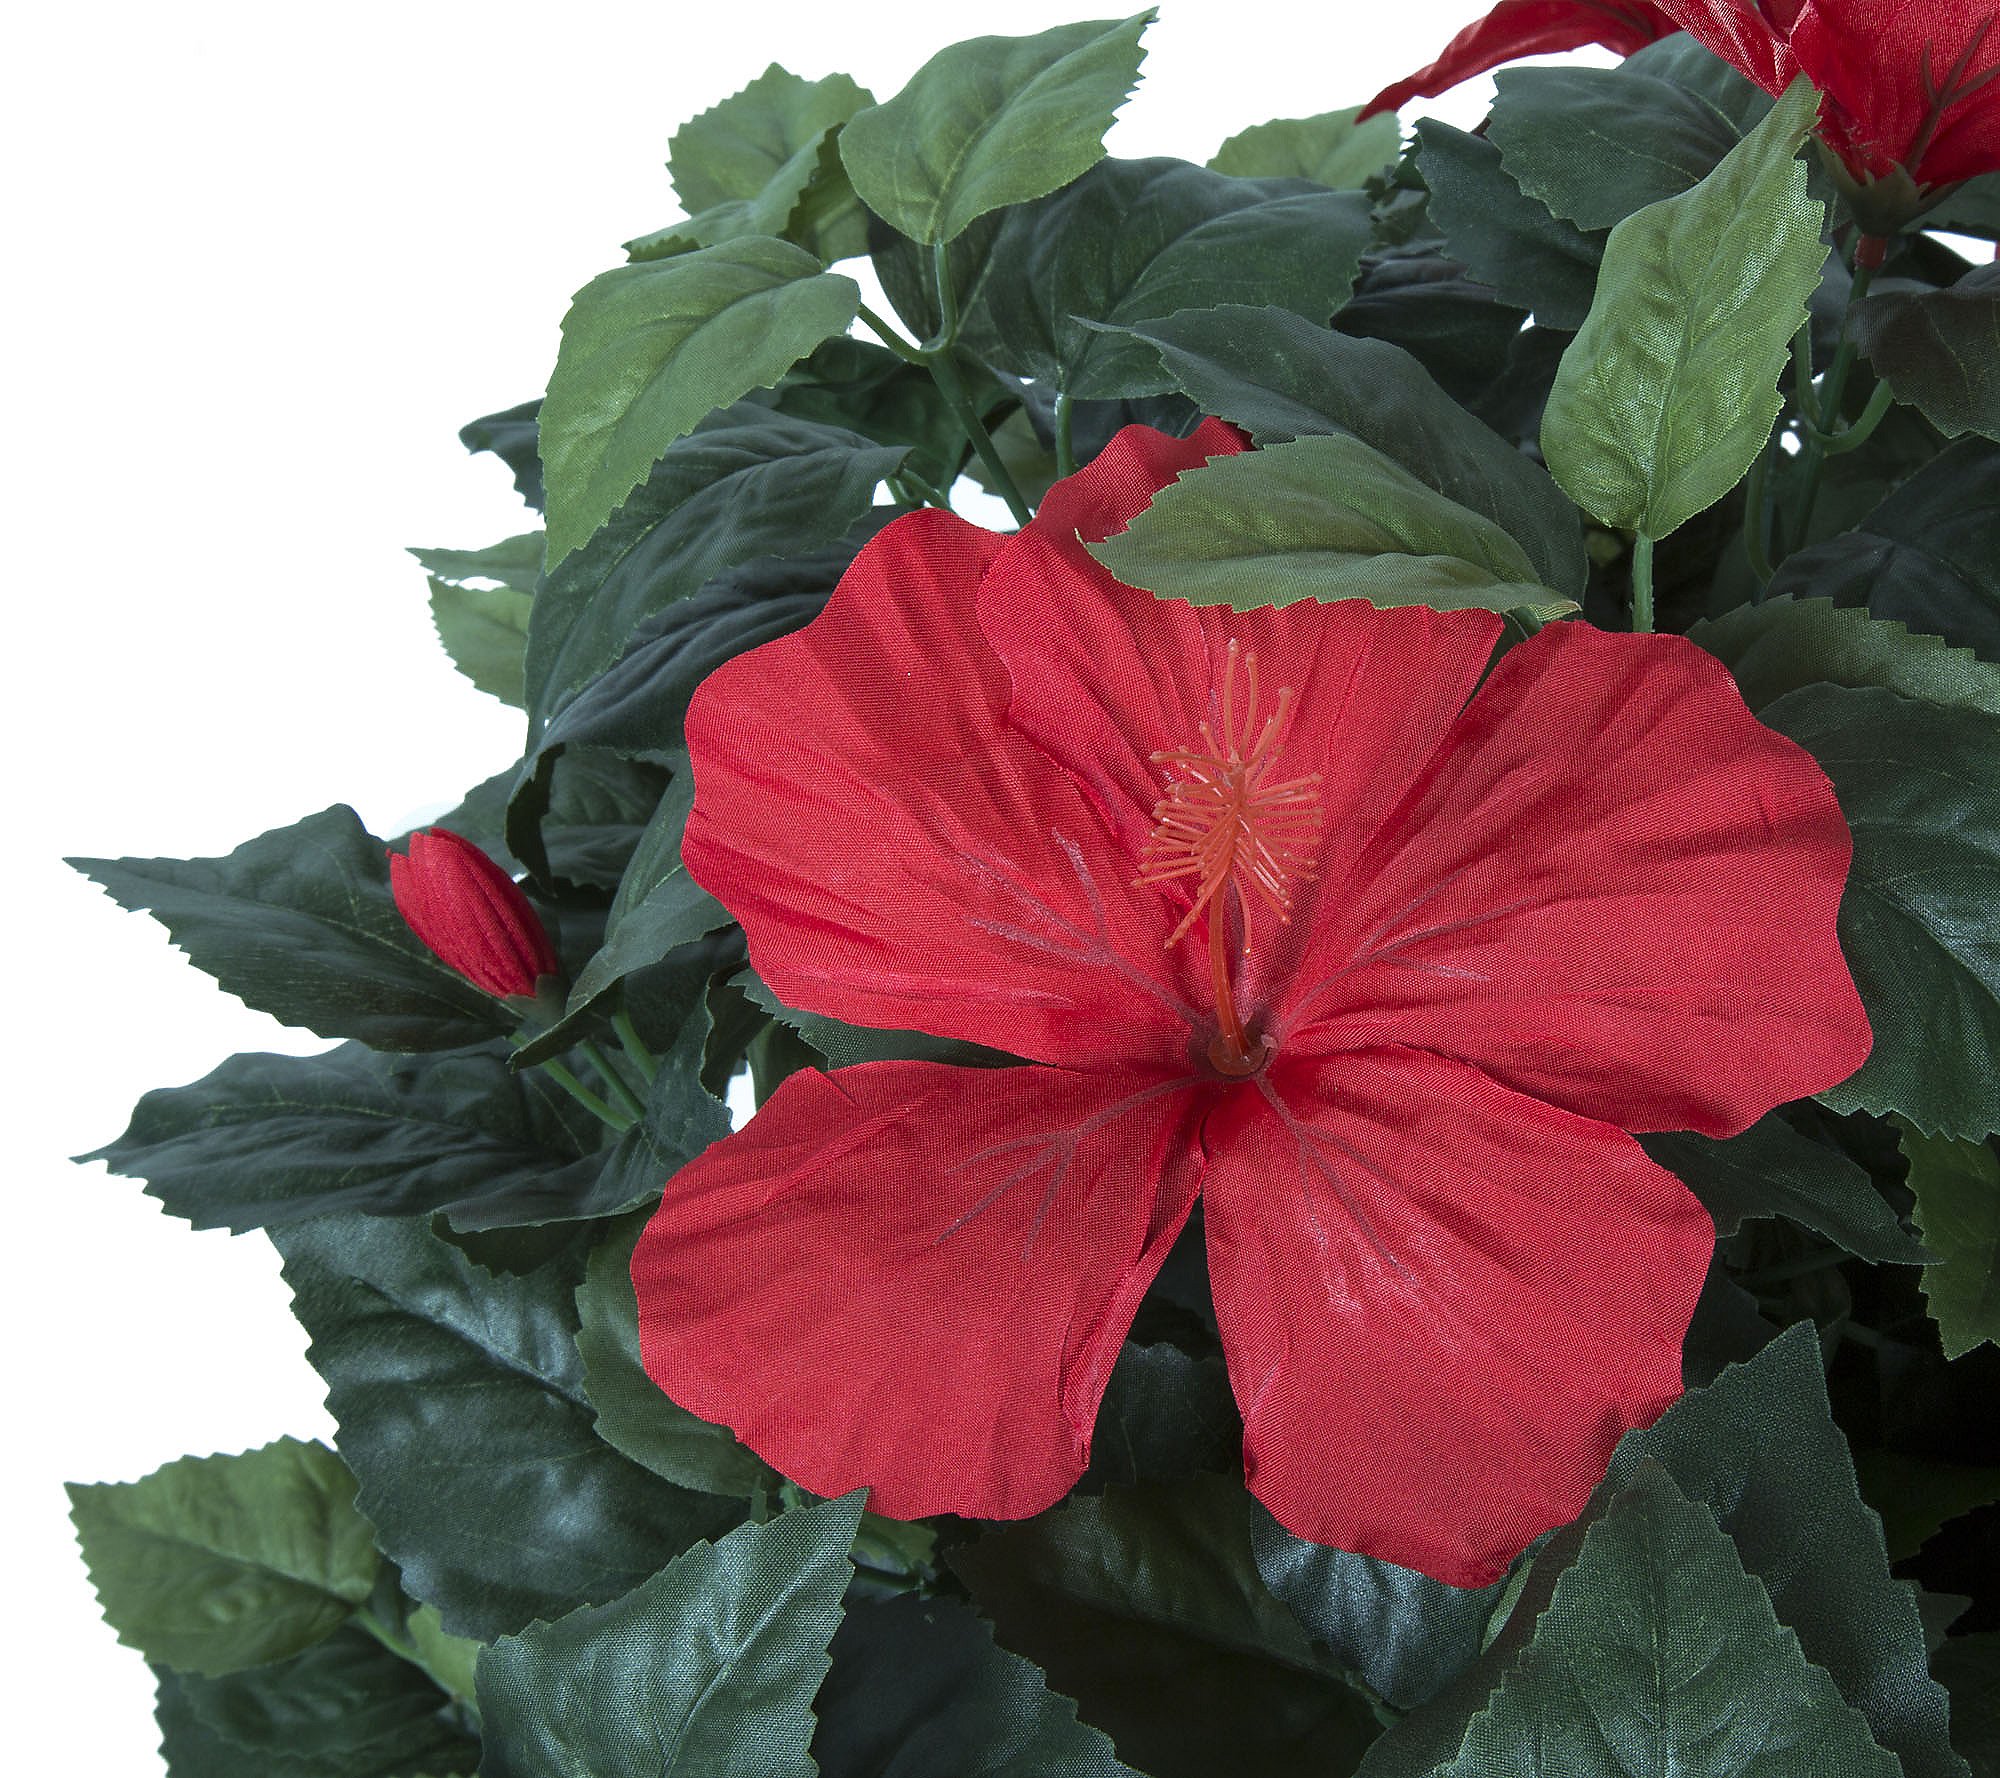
(1669, 390)
(1337, 149)
(748, 483)
(266, 1139)
(706, 1669)
(1695, 67)
(649, 351)
(1279, 377)
(346, 1708)
(1915, 782)
(1927, 556)
(485, 628)
(1657, 1653)
(512, 562)
(1969, 1666)
(1107, 1594)
(1508, 240)
(920, 1690)
(1918, 1496)
(1327, 517)
(299, 923)
(763, 162)
(1136, 240)
(865, 388)
(1405, 1635)
(511, 436)
(459, 1395)
(1787, 642)
(991, 122)
(1412, 296)
(633, 1413)
(1939, 350)
(1596, 144)
(1165, 1416)
(1957, 1186)
(1772, 1170)
(211, 1564)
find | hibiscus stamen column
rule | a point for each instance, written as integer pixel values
(1225, 824)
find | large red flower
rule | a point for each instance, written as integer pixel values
(1276, 916)
(1910, 84)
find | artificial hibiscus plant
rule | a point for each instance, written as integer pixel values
(1373, 1022)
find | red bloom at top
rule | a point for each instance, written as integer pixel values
(470, 913)
(1278, 917)
(1909, 84)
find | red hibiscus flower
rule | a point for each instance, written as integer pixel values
(1279, 917)
(471, 914)
(1905, 88)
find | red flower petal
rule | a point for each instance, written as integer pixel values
(897, 856)
(918, 1277)
(1749, 37)
(1442, 1303)
(1518, 28)
(470, 913)
(1612, 888)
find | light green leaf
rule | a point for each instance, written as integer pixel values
(1916, 783)
(1659, 1654)
(212, 1564)
(1323, 518)
(990, 122)
(1669, 390)
(707, 1670)
(1939, 350)
(1335, 149)
(480, 601)
(649, 351)
(1957, 1185)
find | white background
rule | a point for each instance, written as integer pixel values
(265, 262)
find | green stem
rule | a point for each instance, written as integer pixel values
(1642, 583)
(1065, 449)
(1802, 389)
(591, 1103)
(1827, 414)
(365, 1619)
(1757, 521)
(1879, 403)
(891, 338)
(614, 1082)
(947, 299)
(635, 1046)
(945, 374)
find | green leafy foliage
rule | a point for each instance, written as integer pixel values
(990, 122)
(1957, 1186)
(1658, 1653)
(650, 350)
(1337, 149)
(1969, 1667)
(212, 1564)
(1279, 376)
(1325, 517)
(1166, 1415)
(1135, 240)
(299, 923)
(861, 387)
(1670, 388)
(269, 1139)
(459, 1396)
(1107, 1594)
(1917, 1496)
(919, 1689)
(1773, 1170)
(709, 1667)
(512, 436)
(1939, 350)
(1915, 921)
(484, 627)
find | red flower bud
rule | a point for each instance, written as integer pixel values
(470, 913)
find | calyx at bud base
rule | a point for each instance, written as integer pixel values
(471, 914)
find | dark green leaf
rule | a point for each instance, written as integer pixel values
(271, 1139)
(1969, 1668)
(1136, 240)
(632, 1412)
(1669, 391)
(459, 1396)
(1455, 327)
(649, 351)
(1107, 1594)
(1657, 1653)
(1325, 517)
(1335, 149)
(211, 1564)
(868, 389)
(299, 923)
(707, 1669)
(991, 122)
(1957, 1187)
(1915, 782)
(1939, 350)
(748, 483)
(1279, 377)
(1787, 642)
(920, 1690)
(1165, 1417)
(1918, 1496)
(1698, 69)
(1772, 1170)
(511, 436)
(1972, 209)
(1507, 239)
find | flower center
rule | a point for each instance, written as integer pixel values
(1227, 824)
